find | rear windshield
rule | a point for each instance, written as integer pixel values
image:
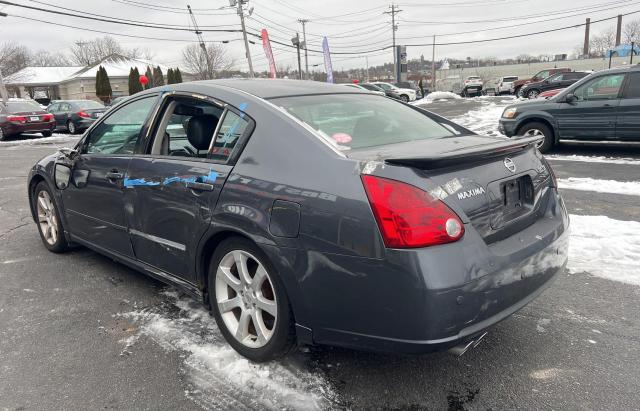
(352, 121)
(88, 104)
(18, 106)
(508, 79)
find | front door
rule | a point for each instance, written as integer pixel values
(93, 201)
(628, 123)
(592, 116)
(171, 192)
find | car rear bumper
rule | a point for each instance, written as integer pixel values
(432, 299)
(12, 128)
(84, 123)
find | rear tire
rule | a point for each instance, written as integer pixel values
(533, 129)
(254, 296)
(46, 134)
(3, 136)
(531, 94)
(404, 98)
(48, 219)
(72, 127)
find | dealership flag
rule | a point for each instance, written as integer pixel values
(266, 45)
(327, 60)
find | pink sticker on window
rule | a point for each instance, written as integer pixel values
(342, 138)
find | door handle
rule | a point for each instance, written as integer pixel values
(193, 185)
(114, 175)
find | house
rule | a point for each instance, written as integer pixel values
(76, 83)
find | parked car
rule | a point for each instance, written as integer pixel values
(24, 116)
(602, 106)
(505, 84)
(541, 75)
(360, 87)
(555, 81)
(75, 116)
(472, 86)
(411, 85)
(389, 92)
(116, 101)
(404, 94)
(255, 209)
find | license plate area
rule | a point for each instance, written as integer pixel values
(34, 119)
(517, 197)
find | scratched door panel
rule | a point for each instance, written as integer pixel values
(168, 207)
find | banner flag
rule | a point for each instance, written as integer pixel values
(266, 45)
(327, 60)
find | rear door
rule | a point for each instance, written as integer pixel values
(593, 115)
(628, 121)
(172, 190)
(93, 201)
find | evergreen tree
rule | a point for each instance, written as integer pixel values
(170, 77)
(134, 81)
(178, 75)
(158, 79)
(149, 75)
(108, 92)
(99, 84)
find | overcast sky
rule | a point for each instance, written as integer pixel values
(354, 25)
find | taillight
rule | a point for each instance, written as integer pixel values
(409, 217)
(17, 119)
(47, 117)
(83, 114)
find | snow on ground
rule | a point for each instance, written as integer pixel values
(32, 140)
(605, 247)
(593, 159)
(600, 186)
(485, 119)
(438, 95)
(217, 376)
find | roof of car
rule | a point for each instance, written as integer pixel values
(271, 88)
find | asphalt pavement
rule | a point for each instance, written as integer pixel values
(81, 332)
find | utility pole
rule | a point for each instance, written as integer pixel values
(304, 39)
(296, 42)
(433, 65)
(633, 48)
(394, 27)
(619, 30)
(366, 62)
(203, 46)
(4, 95)
(233, 3)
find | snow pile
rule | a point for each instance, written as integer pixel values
(219, 378)
(442, 95)
(605, 247)
(36, 140)
(594, 159)
(484, 120)
(631, 188)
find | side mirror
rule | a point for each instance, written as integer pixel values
(570, 98)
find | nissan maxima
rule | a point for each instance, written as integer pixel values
(311, 213)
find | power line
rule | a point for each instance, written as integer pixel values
(167, 9)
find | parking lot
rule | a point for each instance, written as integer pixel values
(79, 331)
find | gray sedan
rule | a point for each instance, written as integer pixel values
(311, 213)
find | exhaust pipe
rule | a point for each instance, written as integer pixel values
(459, 350)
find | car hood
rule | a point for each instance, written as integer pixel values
(531, 104)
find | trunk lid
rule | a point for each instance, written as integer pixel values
(497, 185)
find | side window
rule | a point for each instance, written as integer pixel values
(52, 108)
(118, 133)
(633, 86)
(64, 107)
(543, 75)
(600, 88)
(232, 128)
(557, 78)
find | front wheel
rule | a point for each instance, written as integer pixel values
(539, 129)
(249, 301)
(48, 219)
(3, 136)
(404, 98)
(533, 94)
(46, 134)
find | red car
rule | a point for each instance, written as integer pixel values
(24, 116)
(550, 93)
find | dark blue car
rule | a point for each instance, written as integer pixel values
(308, 212)
(603, 106)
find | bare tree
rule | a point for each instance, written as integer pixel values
(195, 60)
(86, 53)
(631, 32)
(139, 53)
(44, 58)
(602, 43)
(13, 57)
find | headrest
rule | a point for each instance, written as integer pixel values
(200, 131)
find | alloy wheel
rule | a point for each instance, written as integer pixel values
(246, 298)
(1, 134)
(47, 220)
(71, 127)
(535, 132)
(533, 94)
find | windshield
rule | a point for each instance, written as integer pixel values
(352, 121)
(88, 104)
(385, 86)
(18, 106)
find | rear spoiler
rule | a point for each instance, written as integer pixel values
(468, 155)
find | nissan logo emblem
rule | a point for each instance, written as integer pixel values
(511, 166)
